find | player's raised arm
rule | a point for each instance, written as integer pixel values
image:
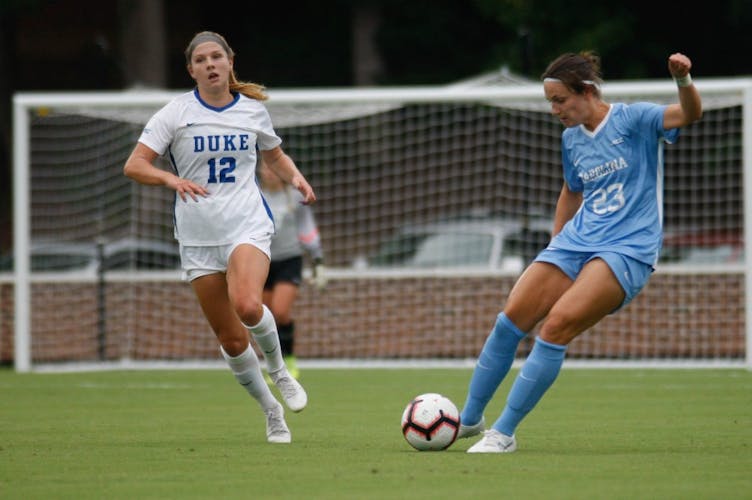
(689, 108)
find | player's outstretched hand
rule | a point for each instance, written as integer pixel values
(186, 188)
(301, 184)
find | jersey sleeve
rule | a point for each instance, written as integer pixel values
(651, 116)
(267, 138)
(159, 130)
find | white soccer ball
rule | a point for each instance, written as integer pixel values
(430, 422)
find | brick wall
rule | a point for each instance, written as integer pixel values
(692, 316)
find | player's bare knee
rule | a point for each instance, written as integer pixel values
(234, 346)
(249, 311)
(559, 328)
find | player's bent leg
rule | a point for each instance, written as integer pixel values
(537, 374)
(247, 371)
(265, 335)
(492, 366)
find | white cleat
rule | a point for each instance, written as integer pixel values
(467, 431)
(292, 392)
(276, 427)
(494, 442)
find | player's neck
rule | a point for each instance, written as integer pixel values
(599, 114)
(215, 97)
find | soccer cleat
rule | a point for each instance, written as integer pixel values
(276, 427)
(467, 431)
(494, 442)
(292, 392)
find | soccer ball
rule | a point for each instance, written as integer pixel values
(430, 422)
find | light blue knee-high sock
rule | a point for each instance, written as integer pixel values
(536, 375)
(492, 366)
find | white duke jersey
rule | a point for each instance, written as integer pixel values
(618, 168)
(215, 148)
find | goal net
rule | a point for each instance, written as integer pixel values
(431, 201)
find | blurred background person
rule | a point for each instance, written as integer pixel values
(296, 235)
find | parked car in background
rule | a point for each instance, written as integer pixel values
(702, 247)
(488, 242)
(118, 255)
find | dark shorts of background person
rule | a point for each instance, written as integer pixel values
(289, 270)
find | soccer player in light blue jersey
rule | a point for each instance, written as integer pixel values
(606, 237)
(211, 136)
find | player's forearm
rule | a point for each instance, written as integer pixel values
(142, 171)
(691, 103)
(282, 165)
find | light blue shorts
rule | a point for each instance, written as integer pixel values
(631, 274)
(199, 261)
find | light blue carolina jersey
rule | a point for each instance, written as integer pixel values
(619, 169)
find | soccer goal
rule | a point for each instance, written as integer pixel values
(431, 201)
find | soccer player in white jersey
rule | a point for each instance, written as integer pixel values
(296, 234)
(210, 136)
(606, 237)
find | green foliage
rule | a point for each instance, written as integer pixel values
(195, 434)
(437, 41)
(634, 38)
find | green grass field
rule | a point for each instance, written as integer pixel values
(602, 434)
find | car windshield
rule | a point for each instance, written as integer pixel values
(454, 249)
(717, 247)
(702, 255)
(142, 258)
(490, 243)
(120, 255)
(398, 251)
(445, 249)
(60, 261)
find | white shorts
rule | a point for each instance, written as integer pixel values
(199, 261)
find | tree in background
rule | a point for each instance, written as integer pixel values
(47, 45)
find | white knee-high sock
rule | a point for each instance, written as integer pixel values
(247, 371)
(265, 334)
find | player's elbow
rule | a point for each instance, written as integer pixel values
(692, 114)
(131, 169)
(128, 169)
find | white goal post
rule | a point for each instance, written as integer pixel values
(384, 161)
